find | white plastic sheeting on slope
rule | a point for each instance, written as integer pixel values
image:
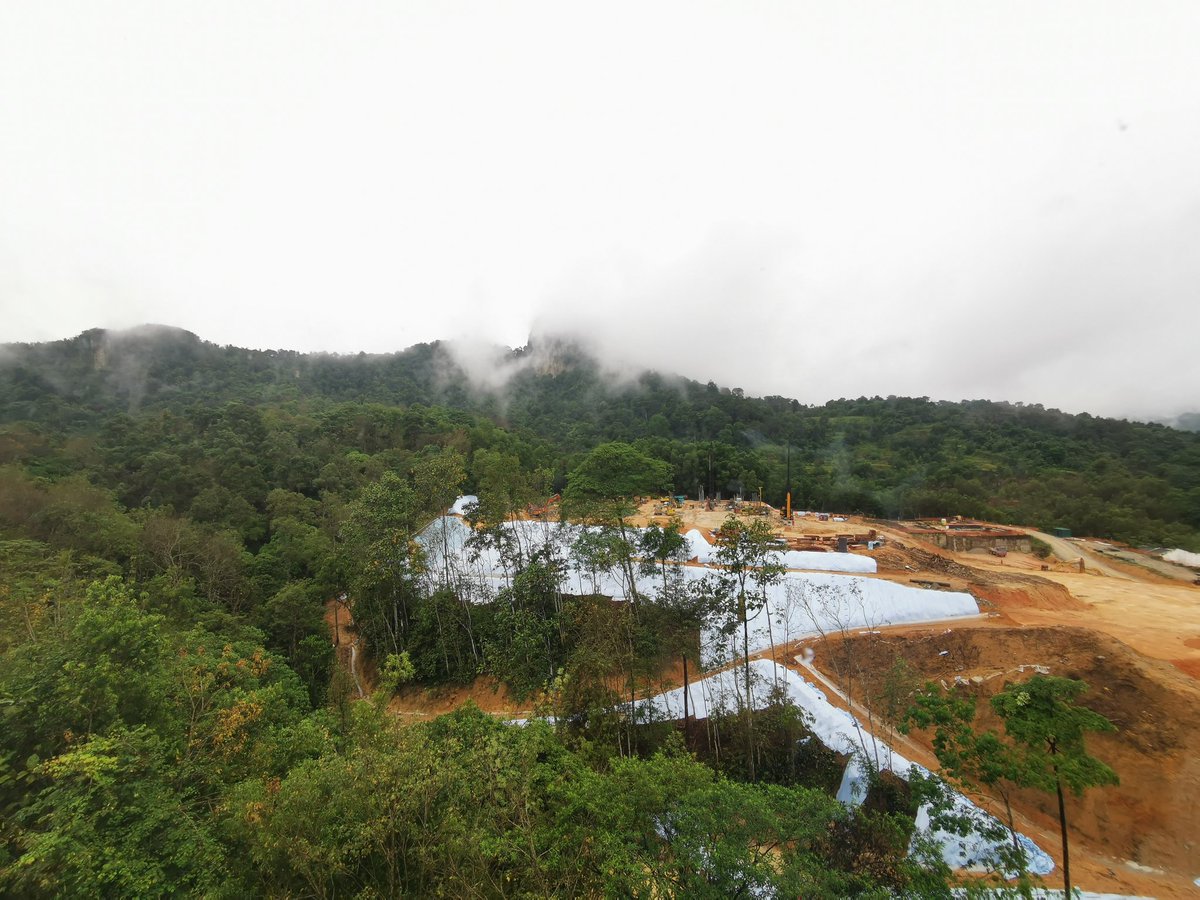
(798, 604)
(805, 603)
(1183, 558)
(445, 543)
(700, 549)
(463, 505)
(841, 732)
(828, 562)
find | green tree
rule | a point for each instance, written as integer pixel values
(747, 555)
(969, 756)
(109, 823)
(437, 479)
(386, 562)
(1042, 746)
(680, 614)
(314, 661)
(525, 645)
(662, 549)
(587, 695)
(1047, 730)
(598, 552)
(293, 613)
(604, 489)
(505, 490)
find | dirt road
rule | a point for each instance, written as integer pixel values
(1158, 566)
(1066, 550)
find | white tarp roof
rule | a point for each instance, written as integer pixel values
(1183, 558)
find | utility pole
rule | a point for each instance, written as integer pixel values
(788, 511)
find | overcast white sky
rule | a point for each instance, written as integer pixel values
(815, 199)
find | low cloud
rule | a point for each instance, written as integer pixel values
(1073, 313)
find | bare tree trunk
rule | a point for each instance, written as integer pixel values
(1062, 819)
(749, 705)
(627, 563)
(437, 614)
(632, 678)
(471, 631)
(632, 709)
(771, 638)
(28, 622)
(685, 694)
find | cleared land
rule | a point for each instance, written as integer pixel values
(1129, 629)
(1131, 633)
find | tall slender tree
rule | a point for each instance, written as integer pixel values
(748, 556)
(1048, 729)
(604, 489)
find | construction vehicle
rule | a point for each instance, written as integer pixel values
(535, 510)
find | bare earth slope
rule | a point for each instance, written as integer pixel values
(1134, 636)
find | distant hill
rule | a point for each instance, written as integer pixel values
(892, 456)
(157, 367)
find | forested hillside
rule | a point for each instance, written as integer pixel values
(164, 389)
(177, 521)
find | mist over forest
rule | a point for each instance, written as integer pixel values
(211, 561)
(552, 400)
(756, 399)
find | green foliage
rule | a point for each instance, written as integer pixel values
(157, 729)
(971, 757)
(181, 418)
(128, 730)
(37, 583)
(663, 547)
(193, 766)
(314, 662)
(603, 489)
(1042, 719)
(523, 640)
(464, 806)
(396, 670)
(385, 560)
(110, 823)
(1042, 746)
(1047, 731)
(615, 471)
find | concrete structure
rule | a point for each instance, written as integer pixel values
(960, 536)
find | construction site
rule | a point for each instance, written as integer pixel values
(1123, 620)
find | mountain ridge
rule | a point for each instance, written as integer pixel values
(544, 354)
(552, 401)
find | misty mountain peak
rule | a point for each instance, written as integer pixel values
(555, 354)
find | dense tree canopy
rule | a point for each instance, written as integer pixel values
(173, 411)
(181, 524)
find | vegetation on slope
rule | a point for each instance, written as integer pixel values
(174, 516)
(891, 457)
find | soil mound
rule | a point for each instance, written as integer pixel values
(997, 590)
(1025, 592)
(487, 693)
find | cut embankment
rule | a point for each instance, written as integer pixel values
(1151, 818)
